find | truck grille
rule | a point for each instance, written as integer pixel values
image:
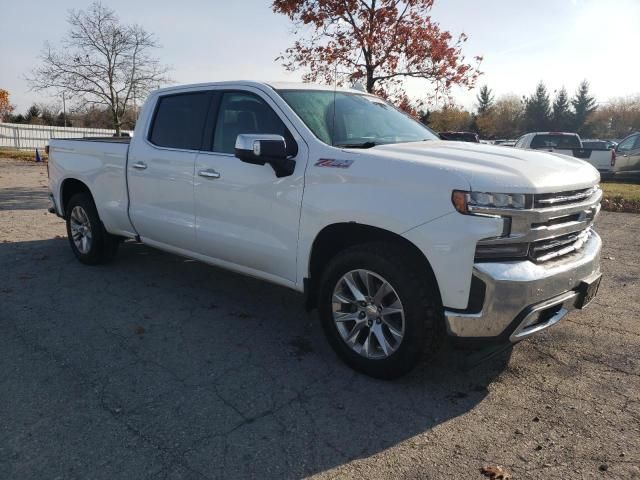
(564, 198)
(544, 250)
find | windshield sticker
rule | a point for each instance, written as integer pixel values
(333, 163)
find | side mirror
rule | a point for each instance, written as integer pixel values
(259, 149)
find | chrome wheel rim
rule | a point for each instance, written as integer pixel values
(80, 229)
(368, 314)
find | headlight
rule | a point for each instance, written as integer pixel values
(464, 202)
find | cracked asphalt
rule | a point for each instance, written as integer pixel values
(160, 367)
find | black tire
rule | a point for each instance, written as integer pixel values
(418, 293)
(103, 246)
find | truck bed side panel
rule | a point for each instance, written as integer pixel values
(102, 167)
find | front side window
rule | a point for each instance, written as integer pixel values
(628, 143)
(179, 120)
(243, 113)
(354, 120)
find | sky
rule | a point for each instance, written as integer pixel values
(522, 41)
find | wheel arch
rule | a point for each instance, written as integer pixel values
(70, 187)
(336, 237)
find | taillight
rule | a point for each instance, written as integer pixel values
(613, 158)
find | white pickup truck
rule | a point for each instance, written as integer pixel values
(399, 239)
(566, 143)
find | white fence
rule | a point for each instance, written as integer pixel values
(30, 137)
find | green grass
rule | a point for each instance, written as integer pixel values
(629, 191)
(621, 197)
(7, 152)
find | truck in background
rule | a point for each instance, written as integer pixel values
(566, 143)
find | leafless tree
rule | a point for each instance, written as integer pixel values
(101, 62)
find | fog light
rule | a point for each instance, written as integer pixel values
(502, 250)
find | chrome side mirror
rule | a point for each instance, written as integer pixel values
(259, 149)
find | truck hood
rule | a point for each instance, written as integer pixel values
(494, 168)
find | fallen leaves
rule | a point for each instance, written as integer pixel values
(495, 472)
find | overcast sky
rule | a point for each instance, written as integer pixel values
(523, 42)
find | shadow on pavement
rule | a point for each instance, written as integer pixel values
(23, 198)
(156, 365)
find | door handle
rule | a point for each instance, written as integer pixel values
(209, 173)
(139, 165)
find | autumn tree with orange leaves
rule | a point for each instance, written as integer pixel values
(5, 106)
(378, 42)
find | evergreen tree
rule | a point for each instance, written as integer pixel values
(561, 117)
(583, 106)
(32, 113)
(485, 100)
(537, 112)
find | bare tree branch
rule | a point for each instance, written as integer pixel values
(101, 62)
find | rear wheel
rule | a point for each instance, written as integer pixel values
(380, 312)
(89, 240)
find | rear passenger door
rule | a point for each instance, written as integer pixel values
(160, 170)
(246, 217)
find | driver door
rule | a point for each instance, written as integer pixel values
(245, 216)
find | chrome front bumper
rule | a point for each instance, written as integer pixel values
(522, 298)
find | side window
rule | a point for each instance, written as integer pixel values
(179, 120)
(628, 144)
(636, 146)
(243, 112)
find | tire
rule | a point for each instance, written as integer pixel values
(92, 244)
(420, 321)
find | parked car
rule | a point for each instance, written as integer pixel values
(399, 239)
(460, 136)
(567, 143)
(627, 164)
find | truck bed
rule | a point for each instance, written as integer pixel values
(101, 164)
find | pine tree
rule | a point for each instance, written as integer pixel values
(537, 114)
(485, 100)
(561, 117)
(583, 106)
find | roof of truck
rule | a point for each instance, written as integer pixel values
(250, 83)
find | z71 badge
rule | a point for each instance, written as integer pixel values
(332, 163)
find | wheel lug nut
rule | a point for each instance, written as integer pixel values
(361, 315)
(378, 321)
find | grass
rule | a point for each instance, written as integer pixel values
(7, 152)
(621, 197)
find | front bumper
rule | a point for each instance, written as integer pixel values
(522, 298)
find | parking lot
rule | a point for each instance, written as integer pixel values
(160, 367)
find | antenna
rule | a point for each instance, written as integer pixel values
(335, 87)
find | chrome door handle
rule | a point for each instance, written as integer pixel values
(209, 173)
(139, 165)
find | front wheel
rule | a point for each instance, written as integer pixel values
(380, 312)
(89, 240)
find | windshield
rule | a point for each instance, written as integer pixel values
(358, 120)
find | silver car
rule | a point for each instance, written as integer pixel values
(627, 162)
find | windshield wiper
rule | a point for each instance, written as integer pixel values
(356, 145)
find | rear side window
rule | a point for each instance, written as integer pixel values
(555, 141)
(179, 120)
